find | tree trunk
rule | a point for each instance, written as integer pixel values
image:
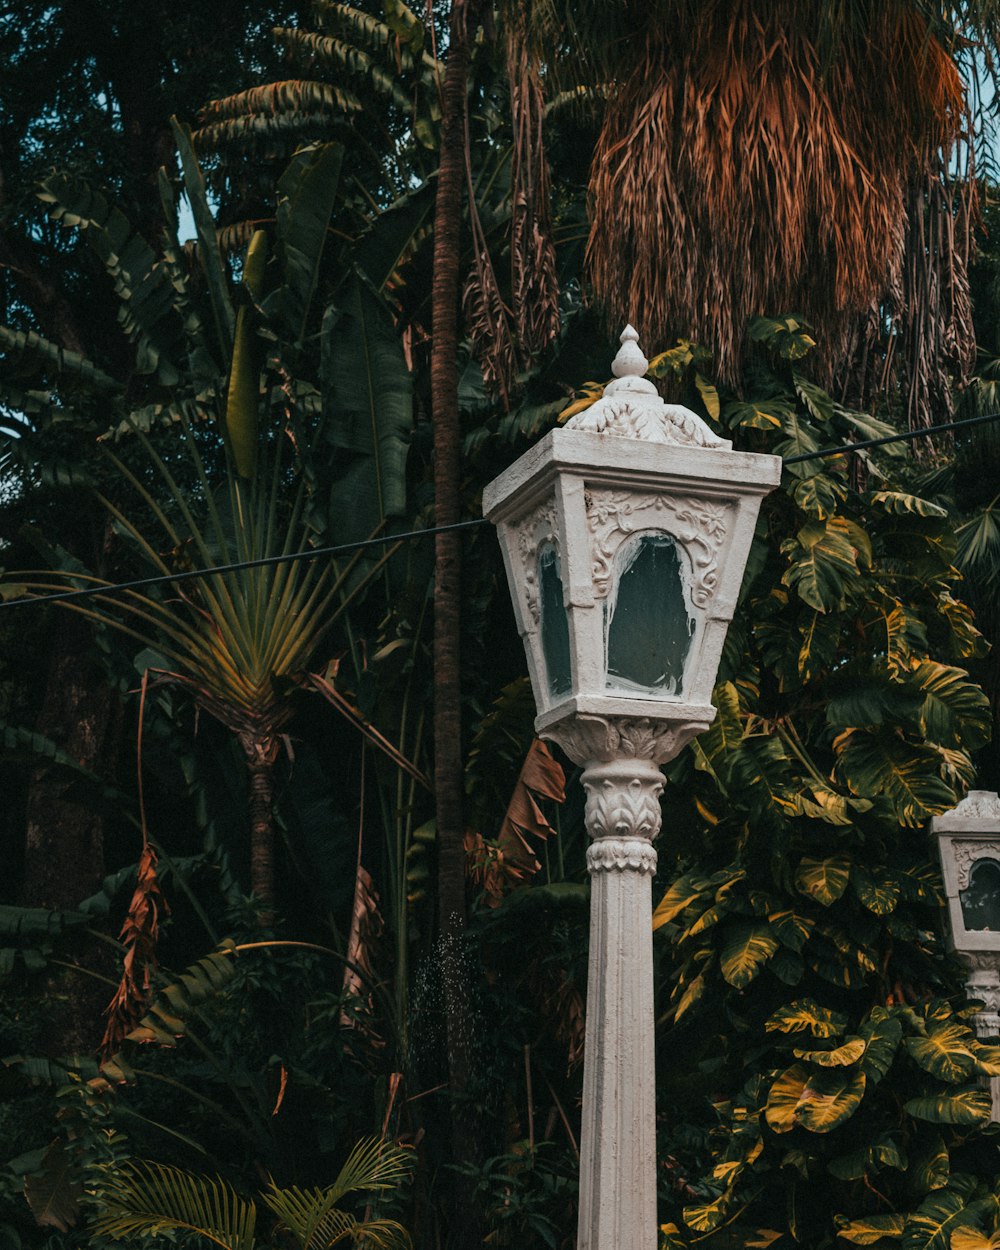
(64, 837)
(448, 773)
(261, 752)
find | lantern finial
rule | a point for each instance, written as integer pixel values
(630, 362)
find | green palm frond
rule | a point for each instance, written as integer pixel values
(313, 1216)
(372, 1164)
(291, 96)
(346, 60)
(978, 551)
(26, 354)
(143, 1199)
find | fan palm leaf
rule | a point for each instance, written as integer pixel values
(143, 1199)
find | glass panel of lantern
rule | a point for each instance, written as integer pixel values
(981, 899)
(554, 624)
(649, 624)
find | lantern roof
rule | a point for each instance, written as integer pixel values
(978, 812)
(631, 407)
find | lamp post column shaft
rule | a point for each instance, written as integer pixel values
(618, 1139)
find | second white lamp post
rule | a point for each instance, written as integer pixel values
(625, 535)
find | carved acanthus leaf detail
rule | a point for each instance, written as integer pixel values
(699, 524)
(979, 805)
(621, 855)
(983, 963)
(631, 407)
(623, 800)
(589, 738)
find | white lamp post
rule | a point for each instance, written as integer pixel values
(625, 535)
(969, 845)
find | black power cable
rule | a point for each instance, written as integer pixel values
(891, 438)
(314, 554)
(317, 552)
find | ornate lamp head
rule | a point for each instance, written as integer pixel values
(969, 845)
(625, 536)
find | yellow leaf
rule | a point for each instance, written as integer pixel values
(592, 392)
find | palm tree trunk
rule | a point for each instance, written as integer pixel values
(261, 751)
(448, 774)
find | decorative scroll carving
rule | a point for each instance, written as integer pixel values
(587, 739)
(699, 524)
(615, 855)
(966, 852)
(631, 407)
(539, 527)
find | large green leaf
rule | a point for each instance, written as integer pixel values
(945, 1052)
(823, 879)
(930, 1163)
(842, 1056)
(929, 1227)
(806, 1016)
(818, 495)
(876, 890)
(243, 397)
(726, 731)
(882, 1034)
(369, 397)
(686, 890)
(792, 929)
(872, 1229)
(209, 255)
(955, 712)
(899, 502)
(744, 950)
(395, 235)
(885, 763)
(817, 1101)
(165, 1021)
(307, 192)
(25, 354)
(53, 1193)
(824, 563)
(145, 286)
(829, 1099)
(968, 1106)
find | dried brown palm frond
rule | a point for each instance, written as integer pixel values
(762, 162)
(139, 935)
(937, 335)
(487, 320)
(487, 317)
(534, 282)
(367, 927)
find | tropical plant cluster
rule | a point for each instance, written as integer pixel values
(293, 922)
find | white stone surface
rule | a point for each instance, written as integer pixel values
(628, 465)
(618, 1136)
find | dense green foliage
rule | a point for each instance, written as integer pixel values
(263, 389)
(809, 982)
